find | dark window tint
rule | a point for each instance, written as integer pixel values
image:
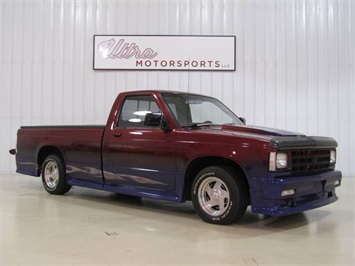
(134, 110)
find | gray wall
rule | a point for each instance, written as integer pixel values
(295, 63)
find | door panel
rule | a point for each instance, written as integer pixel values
(139, 155)
(141, 158)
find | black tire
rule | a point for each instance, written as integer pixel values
(53, 176)
(219, 195)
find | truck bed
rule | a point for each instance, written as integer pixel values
(79, 145)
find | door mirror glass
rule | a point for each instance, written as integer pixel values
(153, 119)
(156, 120)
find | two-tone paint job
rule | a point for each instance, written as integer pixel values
(162, 162)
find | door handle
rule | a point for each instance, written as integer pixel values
(117, 135)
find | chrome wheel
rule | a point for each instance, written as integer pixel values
(219, 194)
(213, 196)
(51, 175)
(54, 175)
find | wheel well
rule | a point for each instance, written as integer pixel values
(46, 151)
(200, 163)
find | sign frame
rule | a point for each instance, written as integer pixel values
(117, 47)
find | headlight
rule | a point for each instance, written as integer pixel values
(277, 161)
(333, 157)
(281, 160)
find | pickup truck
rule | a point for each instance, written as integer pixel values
(179, 146)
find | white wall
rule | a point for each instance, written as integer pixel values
(295, 63)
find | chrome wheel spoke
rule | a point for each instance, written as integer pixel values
(224, 195)
(209, 192)
(51, 174)
(211, 202)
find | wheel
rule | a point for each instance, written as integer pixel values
(53, 176)
(219, 195)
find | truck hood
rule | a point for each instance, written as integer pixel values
(280, 139)
(245, 131)
(277, 138)
(260, 131)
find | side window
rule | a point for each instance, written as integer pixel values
(134, 110)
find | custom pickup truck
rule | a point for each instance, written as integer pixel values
(180, 146)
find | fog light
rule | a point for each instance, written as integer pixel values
(337, 183)
(289, 192)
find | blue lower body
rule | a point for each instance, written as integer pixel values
(310, 192)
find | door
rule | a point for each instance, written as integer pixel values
(138, 155)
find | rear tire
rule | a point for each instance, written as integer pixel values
(219, 195)
(54, 175)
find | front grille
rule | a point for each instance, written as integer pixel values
(306, 161)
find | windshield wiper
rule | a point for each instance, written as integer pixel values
(201, 125)
(208, 124)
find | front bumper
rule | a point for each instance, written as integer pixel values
(310, 192)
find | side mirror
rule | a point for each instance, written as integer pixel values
(244, 121)
(156, 120)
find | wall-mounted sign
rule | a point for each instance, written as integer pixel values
(164, 52)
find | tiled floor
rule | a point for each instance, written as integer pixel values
(90, 227)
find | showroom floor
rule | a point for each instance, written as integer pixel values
(89, 227)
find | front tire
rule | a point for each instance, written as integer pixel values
(53, 176)
(219, 195)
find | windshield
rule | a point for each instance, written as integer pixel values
(196, 110)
